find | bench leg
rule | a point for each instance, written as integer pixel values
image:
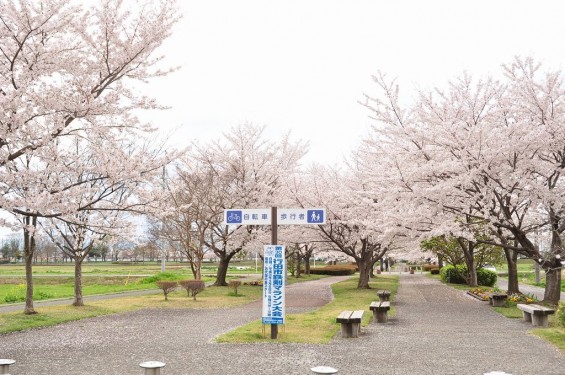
(498, 302)
(380, 316)
(527, 316)
(355, 329)
(346, 330)
(540, 320)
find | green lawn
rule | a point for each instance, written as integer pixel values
(211, 297)
(57, 281)
(319, 326)
(124, 268)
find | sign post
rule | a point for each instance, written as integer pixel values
(274, 272)
(274, 327)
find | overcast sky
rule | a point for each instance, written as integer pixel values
(304, 65)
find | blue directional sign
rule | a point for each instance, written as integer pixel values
(315, 216)
(233, 217)
(247, 216)
(285, 216)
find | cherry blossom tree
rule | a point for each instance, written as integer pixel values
(481, 153)
(66, 72)
(242, 169)
(353, 226)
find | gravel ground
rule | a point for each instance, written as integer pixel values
(437, 330)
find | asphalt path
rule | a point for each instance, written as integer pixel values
(437, 330)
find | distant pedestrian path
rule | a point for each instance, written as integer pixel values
(526, 289)
(437, 330)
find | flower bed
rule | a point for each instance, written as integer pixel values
(479, 293)
(522, 298)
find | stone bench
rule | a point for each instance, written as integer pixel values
(384, 295)
(536, 314)
(350, 323)
(380, 311)
(497, 299)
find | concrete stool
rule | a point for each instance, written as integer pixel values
(5, 365)
(324, 370)
(152, 367)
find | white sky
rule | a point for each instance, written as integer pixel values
(303, 65)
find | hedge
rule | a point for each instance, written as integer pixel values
(338, 270)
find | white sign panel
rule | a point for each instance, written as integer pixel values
(285, 216)
(301, 216)
(274, 285)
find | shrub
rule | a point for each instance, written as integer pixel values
(486, 277)
(452, 274)
(341, 270)
(458, 274)
(234, 284)
(434, 271)
(193, 287)
(167, 287)
(561, 314)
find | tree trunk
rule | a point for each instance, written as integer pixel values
(468, 248)
(307, 265)
(552, 293)
(78, 282)
(298, 259)
(552, 269)
(29, 249)
(222, 270)
(511, 259)
(365, 267)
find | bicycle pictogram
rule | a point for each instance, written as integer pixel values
(233, 217)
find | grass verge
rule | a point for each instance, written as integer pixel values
(554, 335)
(318, 327)
(211, 297)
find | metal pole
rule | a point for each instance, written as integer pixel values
(274, 327)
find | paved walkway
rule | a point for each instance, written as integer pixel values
(526, 289)
(437, 330)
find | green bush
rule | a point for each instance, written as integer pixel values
(561, 314)
(453, 275)
(457, 275)
(334, 270)
(486, 277)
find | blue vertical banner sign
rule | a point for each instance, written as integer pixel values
(274, 281)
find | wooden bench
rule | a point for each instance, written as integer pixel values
(536, 314)
(350, 323)
(497, 299)
(380, 310)
(384, 295)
